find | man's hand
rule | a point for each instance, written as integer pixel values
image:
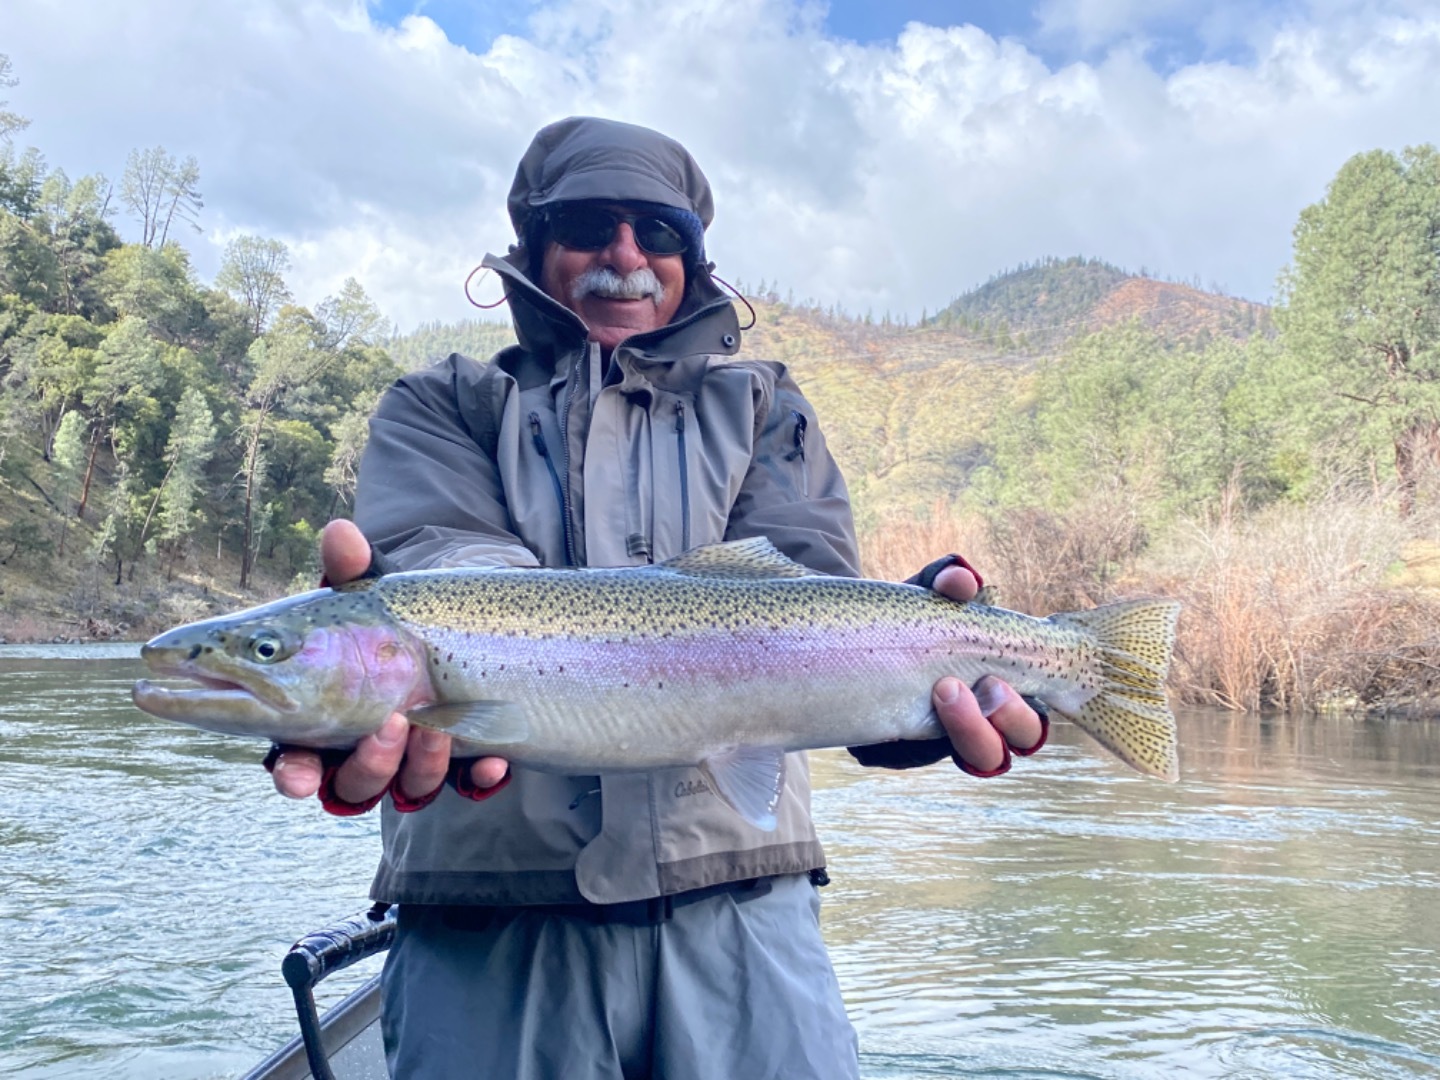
(421, 757)
(982, 721)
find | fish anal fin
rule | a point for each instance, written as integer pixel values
(750, 780)
(755, 559)
(489, 723)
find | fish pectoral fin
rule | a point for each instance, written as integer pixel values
(494, 723)
(756, 559)
(749, 779)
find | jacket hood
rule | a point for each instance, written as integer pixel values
(584, 157)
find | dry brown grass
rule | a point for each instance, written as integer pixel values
(1039, 561)
(1295, 608)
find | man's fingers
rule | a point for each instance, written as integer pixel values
(1008, 714)
(488, 771)
(978, 744)
(368, 771)
(427, 760)
(344, 551)
(982, 721)
(297, 773)
(957, 583)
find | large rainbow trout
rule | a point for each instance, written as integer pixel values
(725, 657)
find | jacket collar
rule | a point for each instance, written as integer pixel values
(705, 323)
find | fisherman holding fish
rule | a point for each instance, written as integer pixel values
(630, 923)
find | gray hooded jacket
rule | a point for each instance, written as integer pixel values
(548, 455)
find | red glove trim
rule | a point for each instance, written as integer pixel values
(337, 806)
(1044, 734)
(406, 805)
(1003, 768)
(462, 782)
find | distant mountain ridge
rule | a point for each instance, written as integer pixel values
(1038, 306)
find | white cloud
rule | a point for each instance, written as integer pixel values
(889, 176)
(1092, 23)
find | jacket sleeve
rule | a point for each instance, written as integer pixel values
(793, 492)
(429, 492)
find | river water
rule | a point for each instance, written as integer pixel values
(1277, 913)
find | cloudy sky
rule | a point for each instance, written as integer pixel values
(884, 156)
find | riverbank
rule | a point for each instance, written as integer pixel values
(46, 598)
(1326, 607)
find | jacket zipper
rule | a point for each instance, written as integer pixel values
(799, 451)
(539, 436)
(684, 478)
(574, 382)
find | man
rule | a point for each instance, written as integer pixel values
(628, 925)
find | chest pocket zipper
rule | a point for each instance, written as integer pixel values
(684, 476)
(539, 438)
(799, 450)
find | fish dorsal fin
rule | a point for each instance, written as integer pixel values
(489, 723)
(989, 596)
(749, 779)
(755, 559)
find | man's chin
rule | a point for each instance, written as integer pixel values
(611, 320)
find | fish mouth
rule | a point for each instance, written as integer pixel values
(214, 696)
(216, 706)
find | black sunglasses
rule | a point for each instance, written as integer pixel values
(591, 228)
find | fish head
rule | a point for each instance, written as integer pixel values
(320, 669)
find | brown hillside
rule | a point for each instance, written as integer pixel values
(1179, 312)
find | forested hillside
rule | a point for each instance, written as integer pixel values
(432, 341)
(151, 425)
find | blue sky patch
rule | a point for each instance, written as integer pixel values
(1175, 34)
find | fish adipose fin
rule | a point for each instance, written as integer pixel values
(493, 723)
(989, 596)
(749, 779)
(1129, 716)
(756, 559)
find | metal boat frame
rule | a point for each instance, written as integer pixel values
(344, 1044)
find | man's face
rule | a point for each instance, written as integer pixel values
(640, 292)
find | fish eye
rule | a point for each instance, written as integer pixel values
(267, 647)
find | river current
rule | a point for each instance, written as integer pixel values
(1277, 913)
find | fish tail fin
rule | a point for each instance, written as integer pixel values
(1129, 716)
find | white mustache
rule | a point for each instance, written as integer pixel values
(608, 285)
